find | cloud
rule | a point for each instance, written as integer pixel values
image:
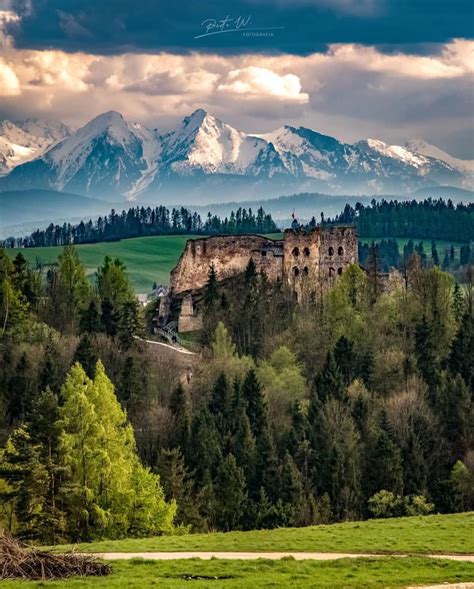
(9, 82)
(350, 91)
(306, 26)
(175, 82)
(257, 82)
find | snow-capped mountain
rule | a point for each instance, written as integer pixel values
(466, 167)
(22, 141)
(108, 156)
(206, 157)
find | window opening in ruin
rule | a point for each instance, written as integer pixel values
(332, 271)
(331, 251)
(296, 252)
(306, 251)
(305, 270)
(264, 253)
(340, 250)
(296, 271)
(339, 271)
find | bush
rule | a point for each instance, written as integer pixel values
(388, 504)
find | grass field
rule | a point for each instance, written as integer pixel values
(440, 534)
(354, 574)
(150, 259)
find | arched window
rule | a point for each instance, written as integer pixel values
(306, 251)
(332, 272)
(305, 271)
(296, 271)
(339, 271)
(296, 252)
(331, 251)
(340, 250)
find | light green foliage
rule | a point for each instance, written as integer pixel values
(388, 504)
(110, 494)
(225, 357)
(283, 382)
(112, 282)
(462, 479)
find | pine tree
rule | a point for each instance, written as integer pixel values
(345, 359)
(459, 304)
(219, 405)
(461, 357)
(90, 318)
(85, 354)
(129, 324)
(425, 355)
(179, 405)
(252, 394)
(383, 461)
(178, 486)
(329, 382)
(230, 494)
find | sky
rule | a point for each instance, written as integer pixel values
(390, 69)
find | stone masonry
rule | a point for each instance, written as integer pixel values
(307, 259)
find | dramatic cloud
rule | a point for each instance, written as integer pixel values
(257, 82)
(302, 26)
(350, 90)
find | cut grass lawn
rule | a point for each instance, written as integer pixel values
(355, 574)
(433, 534)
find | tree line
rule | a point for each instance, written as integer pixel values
(427, 219)
(141, 222)
(354, 402)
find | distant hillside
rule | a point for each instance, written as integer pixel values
(22, 208)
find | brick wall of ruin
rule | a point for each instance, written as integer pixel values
(230, 255)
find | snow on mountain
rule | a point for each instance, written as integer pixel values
(24, 140)
(111, 157)
(422, 147)
(205, 144)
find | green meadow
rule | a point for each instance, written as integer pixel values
(442, 534)
(234, 574)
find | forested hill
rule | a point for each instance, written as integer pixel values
(429, 219)
(141, 221)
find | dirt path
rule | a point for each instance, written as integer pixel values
(175, 348)
(266, 555)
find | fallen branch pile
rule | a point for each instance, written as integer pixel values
(20, 562)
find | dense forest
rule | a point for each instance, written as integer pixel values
(141, 221)
(428, 219)
(355, 402)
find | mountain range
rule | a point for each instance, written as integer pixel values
(206, 160)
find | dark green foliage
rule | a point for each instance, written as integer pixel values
(330, 381)
(86, 355)
(141, 221)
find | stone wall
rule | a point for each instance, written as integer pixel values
(229, 254)
(309, 260)
(314, 258)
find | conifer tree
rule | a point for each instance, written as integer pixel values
(85, 354)
(109, 492)
(230, 494)
(179, 405)
(252, 394)
(329, 383)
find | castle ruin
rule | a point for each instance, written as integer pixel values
(303, 257)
